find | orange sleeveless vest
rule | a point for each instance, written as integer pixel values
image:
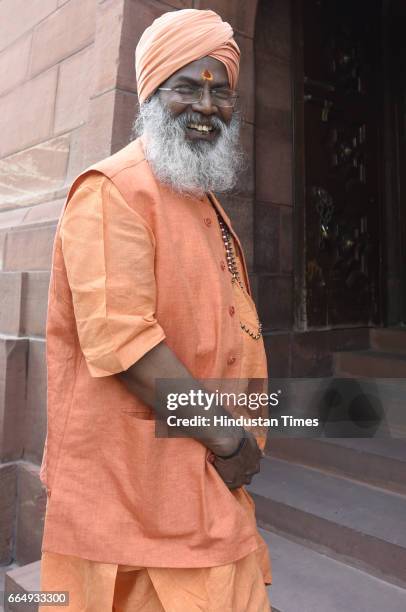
(116, 493)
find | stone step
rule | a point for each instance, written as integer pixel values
(378, 462)
(362, 525)
(305, 580)
(390, 339)
(22, 580)
(370, 364)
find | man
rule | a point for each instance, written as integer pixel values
(149, 282)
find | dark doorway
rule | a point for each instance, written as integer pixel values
(339, 166)
(394, 48)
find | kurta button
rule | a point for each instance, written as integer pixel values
(207, 221)
(231, 310)
(222, 265)
(231, 360)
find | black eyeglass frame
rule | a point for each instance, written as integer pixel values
(234, 97)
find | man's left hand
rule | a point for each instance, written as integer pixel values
(239, 470)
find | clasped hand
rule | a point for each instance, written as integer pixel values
(239, 470)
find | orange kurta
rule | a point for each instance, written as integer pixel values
(135, 263)
(235, 587)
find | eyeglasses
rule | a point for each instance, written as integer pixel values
(187, 94)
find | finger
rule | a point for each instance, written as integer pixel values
(235, 485)
(252, 467)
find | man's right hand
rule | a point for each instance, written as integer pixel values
(239, 470)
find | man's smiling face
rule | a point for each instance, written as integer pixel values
(193, 144)
(203, 119)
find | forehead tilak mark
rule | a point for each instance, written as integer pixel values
(206, 75)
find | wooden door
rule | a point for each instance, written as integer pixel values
(342, 163)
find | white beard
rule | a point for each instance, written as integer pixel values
(190, 167)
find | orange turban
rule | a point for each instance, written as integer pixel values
(178, 38)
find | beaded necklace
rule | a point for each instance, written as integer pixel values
(233, 269)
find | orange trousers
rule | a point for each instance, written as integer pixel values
(108, 587)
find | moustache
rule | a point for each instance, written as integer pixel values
(213, 122)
